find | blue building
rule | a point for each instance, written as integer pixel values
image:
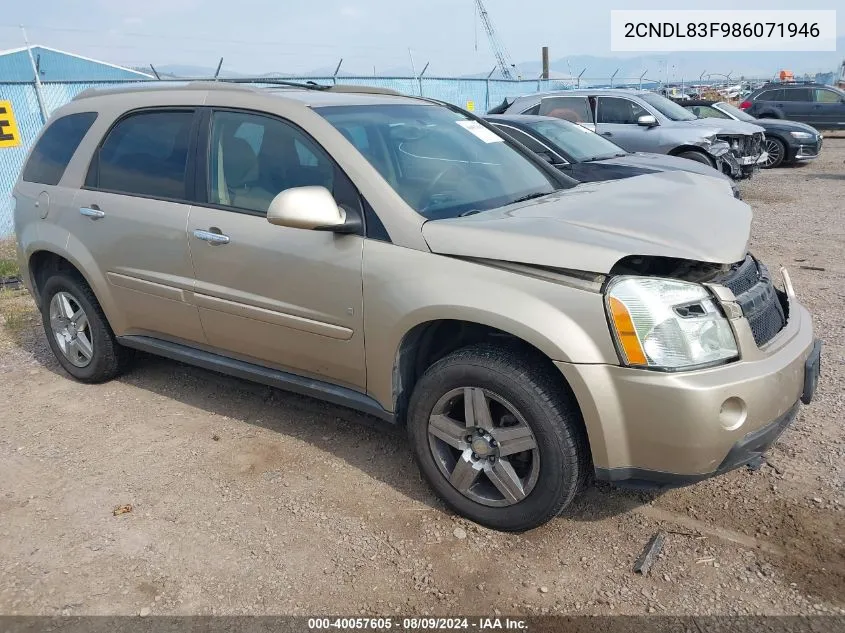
(63, 75)
(56, 65)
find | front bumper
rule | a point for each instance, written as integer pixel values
(676, 428)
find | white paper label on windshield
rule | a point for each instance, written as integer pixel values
(480, 131)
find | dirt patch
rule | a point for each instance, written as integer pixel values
(247, 500)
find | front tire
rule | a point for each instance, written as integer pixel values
(777, 152)
(78, 332)
(697, 157)
(498, 437)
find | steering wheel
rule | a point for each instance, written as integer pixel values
(428, 192)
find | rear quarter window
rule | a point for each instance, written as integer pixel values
(55, 148)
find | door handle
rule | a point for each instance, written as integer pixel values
(92, 212)
(211, 237)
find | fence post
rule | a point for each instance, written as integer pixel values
(419, 79)
(38, 94)
(487, 95)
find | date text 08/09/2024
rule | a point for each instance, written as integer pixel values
(417, 624)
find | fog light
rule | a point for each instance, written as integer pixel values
(733, 413)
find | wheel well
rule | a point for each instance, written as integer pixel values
(44, 264)
(428, 342)
(691, 148)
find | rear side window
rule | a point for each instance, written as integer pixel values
(770, 95)
(574, 109)
(146, 154)
(56, 147)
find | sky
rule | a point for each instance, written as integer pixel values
(258, 36)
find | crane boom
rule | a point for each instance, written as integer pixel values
(503, 60)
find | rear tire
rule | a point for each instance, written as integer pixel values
(78, 332)
(534, 459)
(697, 157)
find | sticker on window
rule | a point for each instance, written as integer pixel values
(478, 130)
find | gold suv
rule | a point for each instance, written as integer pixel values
(399, 256)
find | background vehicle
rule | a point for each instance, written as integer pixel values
(786, 141)
(589, 157)
(403, 258)
(642, 121)
(818, 105)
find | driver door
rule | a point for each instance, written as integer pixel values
(616, 119)
(289, 298)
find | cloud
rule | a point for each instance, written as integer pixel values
(350, 12)
(132, 21)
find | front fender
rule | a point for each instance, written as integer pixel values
(404, 288)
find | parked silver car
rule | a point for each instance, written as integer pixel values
(642, 121)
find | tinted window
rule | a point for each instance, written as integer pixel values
(254, 158)
(707, 112)
(770, 95)
(667, 108)
(573, 109)
(614, 110)
(577, 141)
(522, 137)
(797, 94)
(533, 110)
(56, 147)
(145, 154)
(439, 161)
(827, 96)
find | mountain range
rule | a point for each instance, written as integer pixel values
(681, 66)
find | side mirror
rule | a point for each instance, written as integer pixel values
(647, 120)
(312, 208)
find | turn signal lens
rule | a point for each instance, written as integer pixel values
(627, 334)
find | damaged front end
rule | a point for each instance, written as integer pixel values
(746, 154)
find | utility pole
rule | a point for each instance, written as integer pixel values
(545, 74)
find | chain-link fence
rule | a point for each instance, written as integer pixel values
(475, 94)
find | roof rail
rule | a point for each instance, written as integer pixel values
(233, 84)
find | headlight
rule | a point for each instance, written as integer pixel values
(803, 136)
(667, 324)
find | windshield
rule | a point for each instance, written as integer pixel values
(667, 108)
(440, 162)
(580, 143)
(735, 112)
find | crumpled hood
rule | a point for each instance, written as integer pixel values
(593, 225)
(724, 126)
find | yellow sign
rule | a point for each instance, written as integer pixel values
(9, 134)
(471, 106)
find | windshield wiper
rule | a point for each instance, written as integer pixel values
(593, 159)
(530, 196)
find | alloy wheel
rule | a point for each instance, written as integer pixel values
(483, 446)
(775, 153)
(71, 329)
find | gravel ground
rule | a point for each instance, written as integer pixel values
(247, 500)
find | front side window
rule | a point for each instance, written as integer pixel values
(574, 109)
(56, 147)
(797, 94)
(254, 157)
(442, 163)
(577, 141)
(145, 154)
(620, 111)
(827, 96)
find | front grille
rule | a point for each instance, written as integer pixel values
(759, 299)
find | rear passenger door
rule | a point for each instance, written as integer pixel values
(288, 298)
(131, 214)
(616, 119)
